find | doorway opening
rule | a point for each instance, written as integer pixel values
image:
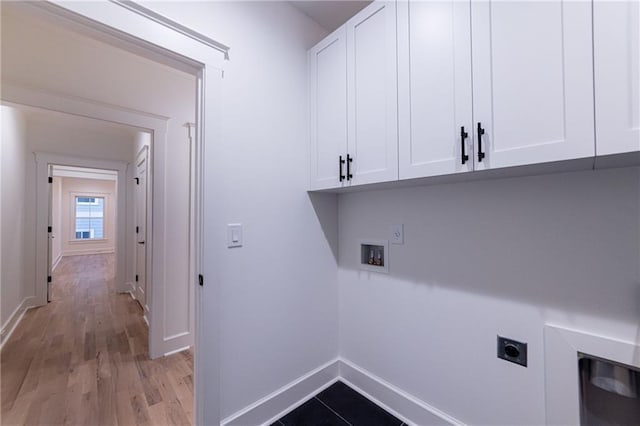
(82, 222)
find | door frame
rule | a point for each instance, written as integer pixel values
(138, 29)
(43, 209)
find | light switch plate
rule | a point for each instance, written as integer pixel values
(397, 234)
(234, 235)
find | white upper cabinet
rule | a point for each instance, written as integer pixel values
(434, 81)
(617, 76)
(328, 109)
(372, 94)
(532, 82)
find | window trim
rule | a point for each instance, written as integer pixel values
(72, 216)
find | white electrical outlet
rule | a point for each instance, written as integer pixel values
(397, 234)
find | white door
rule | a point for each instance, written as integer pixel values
(532, 82)
(328, 108)
(372, 94)
(616, 37)
(434, 80)
(141, 227)
(50, 235)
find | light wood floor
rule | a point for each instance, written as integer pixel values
(82, 359)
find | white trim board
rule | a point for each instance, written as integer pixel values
(287, 398)
(404, 406)
(83, 252)
(562, 382)
(9, 327)
(56, 261)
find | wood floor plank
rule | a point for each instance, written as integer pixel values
(83, 358)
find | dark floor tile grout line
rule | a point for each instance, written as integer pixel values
(333, 411)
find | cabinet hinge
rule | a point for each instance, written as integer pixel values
(50, 179)
(49, 229)
(201, 280)
(49, 279)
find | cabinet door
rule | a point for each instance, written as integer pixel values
(328, 108)
(434, 83)
(532, 81)
(617, 76)
(373, 94)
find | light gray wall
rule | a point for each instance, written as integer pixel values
(481, 259)
(279, 291)
(13, 155)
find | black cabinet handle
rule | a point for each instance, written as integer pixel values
(349, 160)
(140, 242)
(480, 133)
(464, 135)
(341, 162)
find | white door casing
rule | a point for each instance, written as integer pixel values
(532, 81)
(434, 88)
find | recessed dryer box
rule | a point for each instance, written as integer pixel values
(373, 255)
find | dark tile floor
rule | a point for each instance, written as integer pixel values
(338, 405)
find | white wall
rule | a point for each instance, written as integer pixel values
(13, 155)
(278, 292)
(481, 259)
(72, 187)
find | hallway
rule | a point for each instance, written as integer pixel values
(82, 359)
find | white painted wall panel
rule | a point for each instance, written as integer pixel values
(13, 155)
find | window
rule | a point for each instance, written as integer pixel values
(89, 218)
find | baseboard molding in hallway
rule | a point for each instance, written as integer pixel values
(397, 402)
(14, 320)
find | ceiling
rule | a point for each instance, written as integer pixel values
(332, 13)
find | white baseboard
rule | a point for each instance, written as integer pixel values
(13, 321)
(396, 401)
(176, 351)
(130, 288)
(56, 261)
(83, 252)
(285, 399)
(406, 407)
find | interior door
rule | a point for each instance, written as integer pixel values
(50, 235)
(532, 82)
(141, 227)
(434, 66)
(328, 108)
(373, 94)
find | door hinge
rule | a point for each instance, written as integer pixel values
(137, 229)
(49, 279)
(136, 278)
(50, 179)
(201, 280)
(49, 229)
(137, 181)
